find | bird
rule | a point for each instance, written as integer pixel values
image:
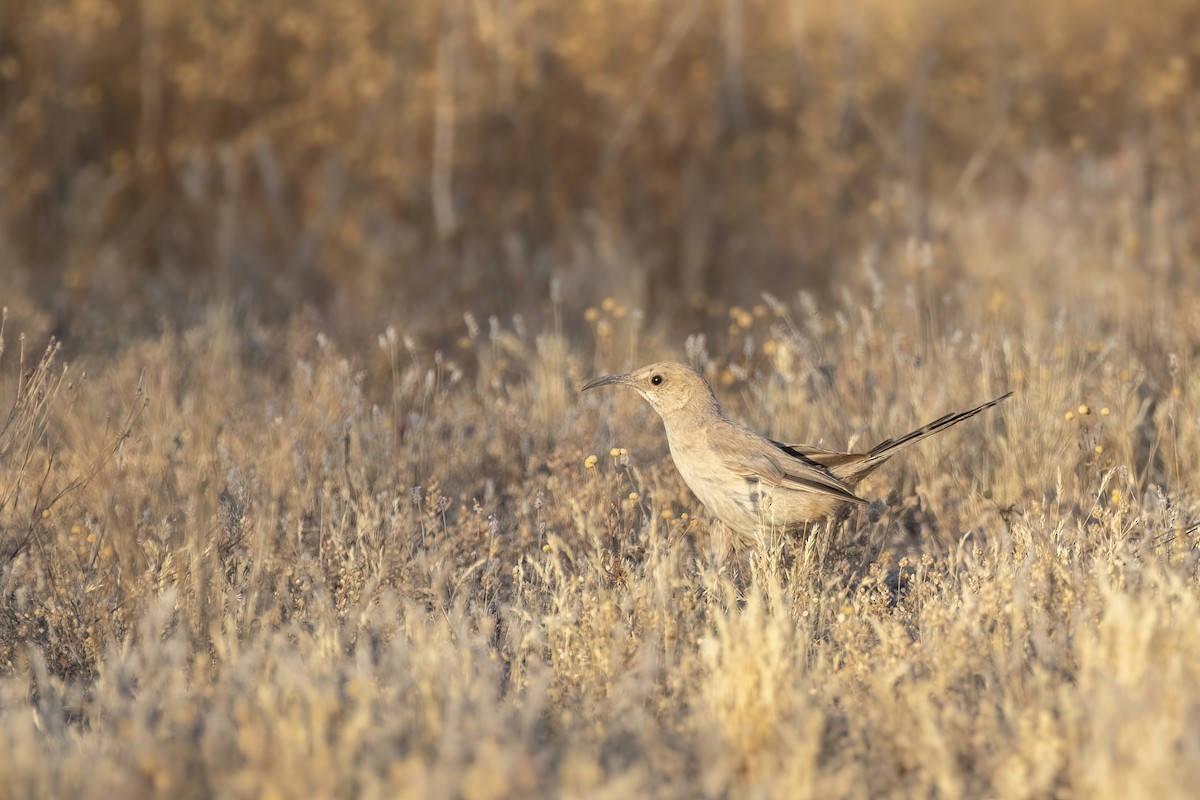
(751, 483)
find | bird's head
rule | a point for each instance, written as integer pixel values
(668, 387)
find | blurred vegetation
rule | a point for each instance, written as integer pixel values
(297, 494)
(418, 154)
(250, 560)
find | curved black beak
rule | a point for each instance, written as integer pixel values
(605, 380)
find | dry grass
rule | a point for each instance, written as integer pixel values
(358, 550)
(331, 152)
(391, 573)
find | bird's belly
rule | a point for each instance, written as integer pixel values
(750, 507)
(744, 506)
(741, 506)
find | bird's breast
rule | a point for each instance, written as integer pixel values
(729, 496)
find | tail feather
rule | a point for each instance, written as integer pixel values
(857, 470)
(850, 468)
(888, 446)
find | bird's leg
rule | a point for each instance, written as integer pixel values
(720, 545)
(726, 558)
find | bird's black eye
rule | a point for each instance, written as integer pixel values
(656, 380)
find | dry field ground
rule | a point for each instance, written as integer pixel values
(295, 489)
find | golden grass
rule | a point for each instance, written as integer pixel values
(676, 147)
(315, 510)
(391, 572)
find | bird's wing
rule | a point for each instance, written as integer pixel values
(761, 459)
(830, 459)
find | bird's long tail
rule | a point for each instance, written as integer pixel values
(856, 471)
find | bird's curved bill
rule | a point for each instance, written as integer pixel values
(604, 380)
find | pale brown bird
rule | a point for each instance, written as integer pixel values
(748, 482)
